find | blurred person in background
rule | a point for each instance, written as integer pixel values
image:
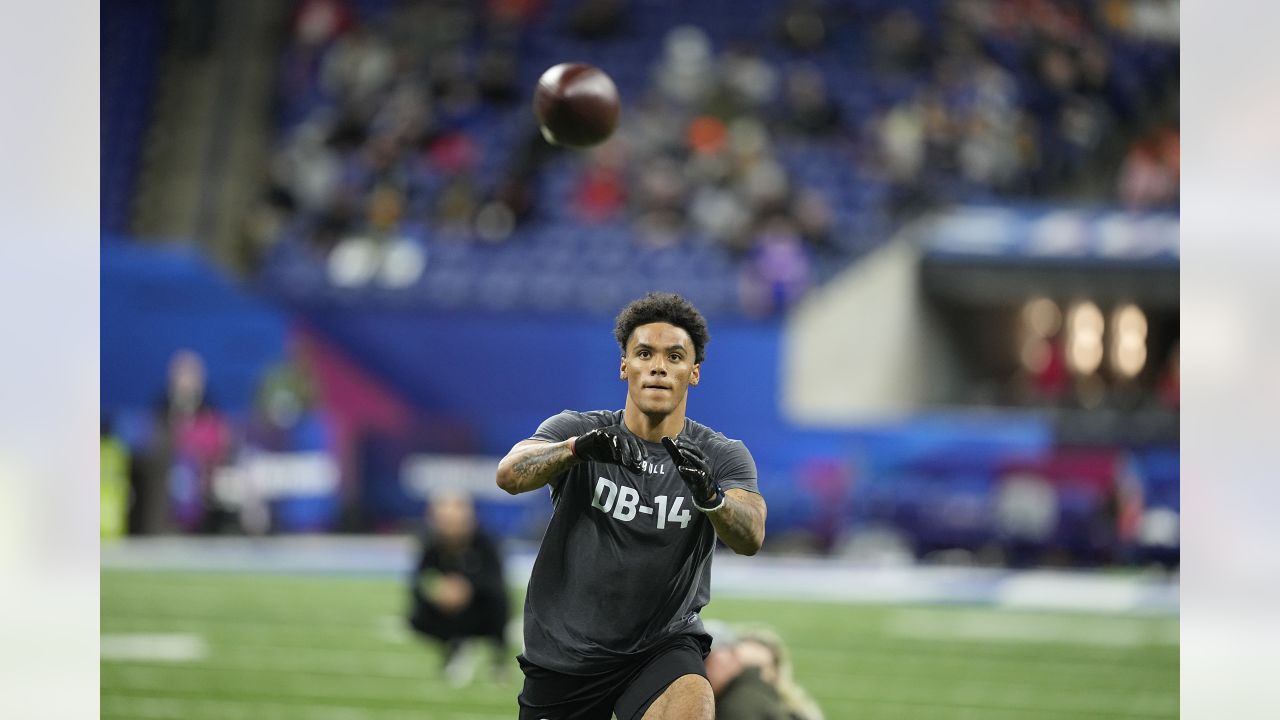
(188, 440)
(113, 486)
(458, 591)
(761, 648)
(611, 615)
(385, 250)
(750, 673)
(286, 415)
(741, 692)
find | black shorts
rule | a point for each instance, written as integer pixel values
(626, 692)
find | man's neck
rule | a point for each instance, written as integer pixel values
(653, 427)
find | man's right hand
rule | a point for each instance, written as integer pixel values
(611, 445)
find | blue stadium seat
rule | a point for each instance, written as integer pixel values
(130, 36)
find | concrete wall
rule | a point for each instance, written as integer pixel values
(865, 348)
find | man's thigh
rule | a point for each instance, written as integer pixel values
(688, 698)
(674, 674)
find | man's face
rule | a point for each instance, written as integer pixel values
(659, 367)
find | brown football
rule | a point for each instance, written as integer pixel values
(576, 105)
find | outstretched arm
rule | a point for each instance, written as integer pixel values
(740, 521)
(533, 463)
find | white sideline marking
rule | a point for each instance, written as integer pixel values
(764, 577)
(154, 647)
(922, 624)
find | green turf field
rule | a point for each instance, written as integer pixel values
(331, 648)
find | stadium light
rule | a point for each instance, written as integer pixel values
(1085, 326)
(1042, 317)
(1128, 340)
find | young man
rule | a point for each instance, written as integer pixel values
(611, 620)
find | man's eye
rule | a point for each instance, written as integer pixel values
(675, 358)
(643, 353)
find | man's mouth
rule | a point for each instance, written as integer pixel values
(656, 387)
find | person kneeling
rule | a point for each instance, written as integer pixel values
(458, 591)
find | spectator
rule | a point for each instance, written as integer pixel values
(802, 26)
(189, 440)
(384, 250)
(762, 648)
(778, 273)
(686, 70)
(285, 415)
(318, 22)
(901, 135)
(809, 108)
(741, 691)
(113, 485)
(814, 219)
(497, 74)
(1148, 177)
(747, 83)
(458, 590)
(660, 199)
(898, 42)
(359, 66)
(601, 193)
(1026, 516)
(594, 19)
(750, 675)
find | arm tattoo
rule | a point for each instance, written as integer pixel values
(740, 524)
(538, 465)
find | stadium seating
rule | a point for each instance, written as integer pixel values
(464, 275)
(131, 37)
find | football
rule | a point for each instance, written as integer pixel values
(576, 105)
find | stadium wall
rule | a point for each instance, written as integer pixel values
(865, 348)
(157, 300)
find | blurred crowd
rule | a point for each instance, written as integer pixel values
(1030, 98)
(190, 466)
(374, 115)
(410, 126)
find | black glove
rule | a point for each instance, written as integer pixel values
(611, 445)
(694, 470)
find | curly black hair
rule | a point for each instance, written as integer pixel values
(667, 308)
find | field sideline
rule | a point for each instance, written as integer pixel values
(191, 645)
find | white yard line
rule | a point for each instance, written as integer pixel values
(154, 647)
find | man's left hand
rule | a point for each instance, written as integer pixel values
(696, 473)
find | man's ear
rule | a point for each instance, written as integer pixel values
(697, 372)
(622, 371)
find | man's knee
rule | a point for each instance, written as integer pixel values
(688, 698)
